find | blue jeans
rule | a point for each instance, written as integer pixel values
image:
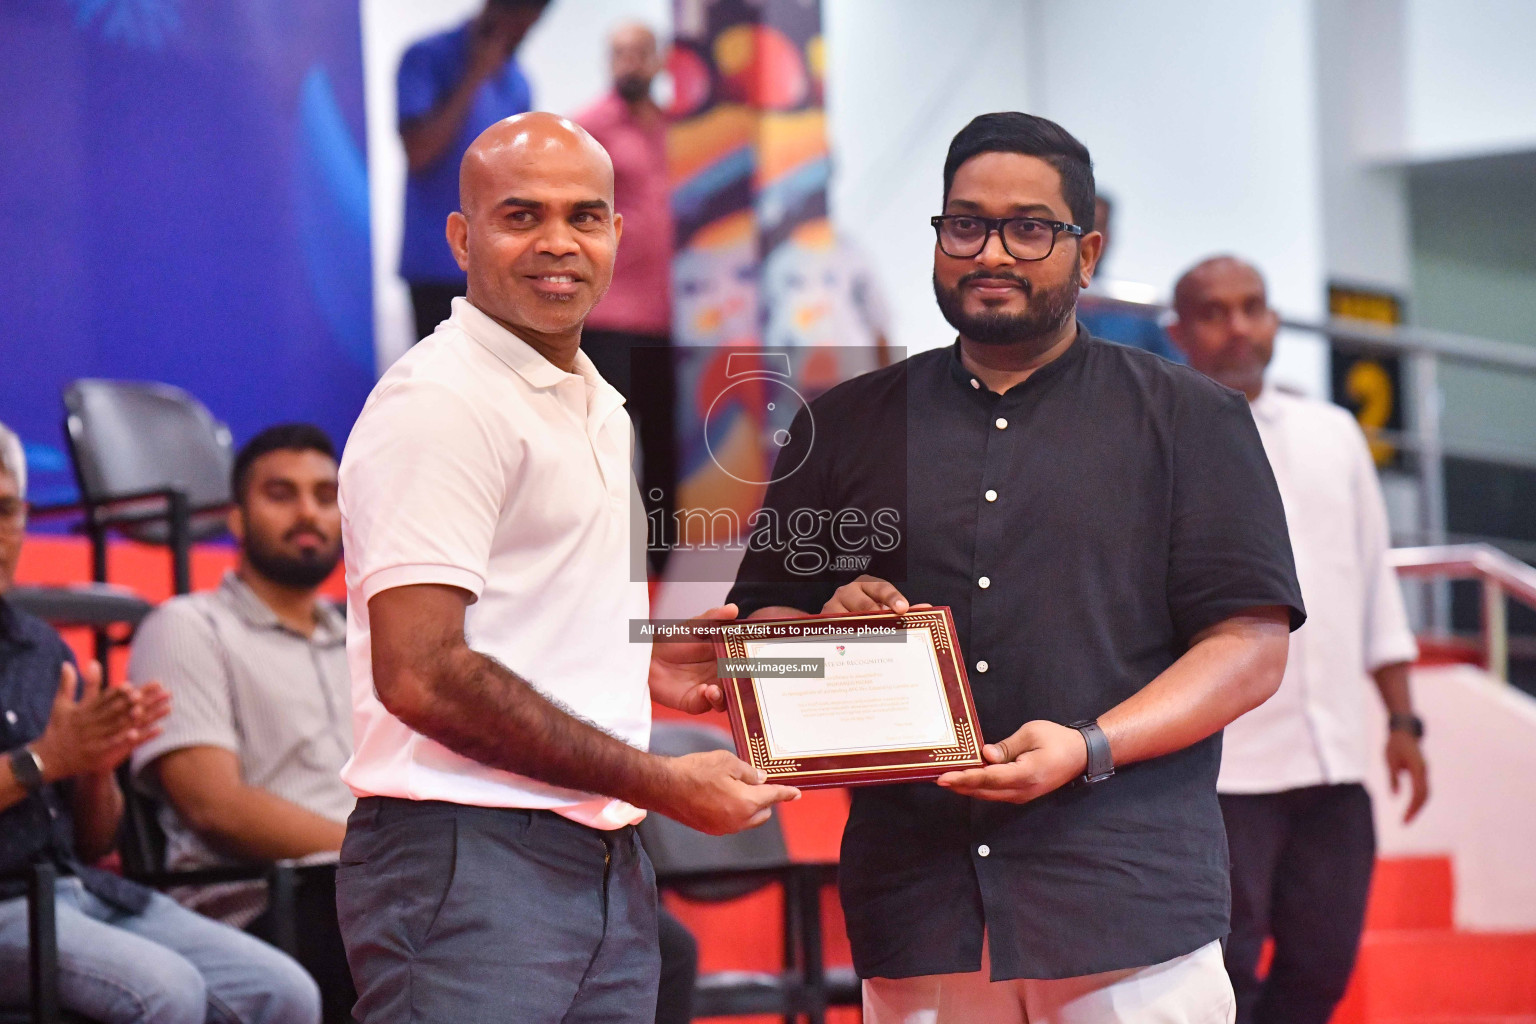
(168, 965)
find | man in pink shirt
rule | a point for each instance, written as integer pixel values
(627, 335)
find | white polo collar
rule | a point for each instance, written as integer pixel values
(530, 364)
(522, 357)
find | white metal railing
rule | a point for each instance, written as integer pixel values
(1501, 577)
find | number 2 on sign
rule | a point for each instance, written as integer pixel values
(1369, 384)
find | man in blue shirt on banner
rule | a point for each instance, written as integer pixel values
(449, 89)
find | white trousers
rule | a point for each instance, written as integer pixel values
(1191, 989)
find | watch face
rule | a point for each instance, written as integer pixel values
(27, 769)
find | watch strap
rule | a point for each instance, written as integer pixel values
(1406, 721)
(1101, 762)
(27, 767)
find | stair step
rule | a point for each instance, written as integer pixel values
(1411, 892)
(1441, 977)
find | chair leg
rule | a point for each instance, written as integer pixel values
(793, 965)
(98, 537)
(43, 944)
(181, 542)
(283, 893)
(103, 645)
(813, 966)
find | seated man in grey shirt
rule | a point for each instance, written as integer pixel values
(247, 766)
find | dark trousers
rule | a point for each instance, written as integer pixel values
(432, 303)
(318, 937)
(480, 915)
(1301, 872)
(679, 970)
(641, 367)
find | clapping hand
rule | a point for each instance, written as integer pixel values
(94, 733)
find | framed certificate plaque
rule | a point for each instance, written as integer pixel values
(849, 700)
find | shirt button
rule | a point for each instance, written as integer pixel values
(983, 850)
(10, 716)
(991, 495)
(1002, 424)
(984, 582)
(975, 383)
(981, 666)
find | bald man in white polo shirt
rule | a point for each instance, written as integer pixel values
(491, 870)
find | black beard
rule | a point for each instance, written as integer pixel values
(632, 88)
(1047, 312)
(302, 573)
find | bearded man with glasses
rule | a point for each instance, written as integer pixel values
(1105, 527)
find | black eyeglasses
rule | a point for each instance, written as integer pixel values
(1024, 238)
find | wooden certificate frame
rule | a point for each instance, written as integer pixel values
(871, 764)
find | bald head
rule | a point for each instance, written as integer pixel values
(632, 34)
(527, 143)
(536, 231)
(1213, 271)
(1225, 325)
(633, 60)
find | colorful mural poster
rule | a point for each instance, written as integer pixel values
(770, 308)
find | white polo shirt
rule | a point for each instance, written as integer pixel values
(479, 464)
(1312, 731)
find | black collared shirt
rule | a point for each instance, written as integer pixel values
(1084, 527)
(41, 826)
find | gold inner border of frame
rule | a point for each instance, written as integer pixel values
(934, 621)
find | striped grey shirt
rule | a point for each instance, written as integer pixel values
(241, 680)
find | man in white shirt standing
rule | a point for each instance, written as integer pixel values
(1298, 819)
(491, 870)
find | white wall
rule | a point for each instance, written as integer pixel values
(1360, 101)
(1470, 86)
(565, 58)
(1480, 743)
(903, 77)
(1202, 119)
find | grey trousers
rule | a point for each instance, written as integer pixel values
(476, 915)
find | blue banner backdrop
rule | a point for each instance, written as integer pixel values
(183, 198)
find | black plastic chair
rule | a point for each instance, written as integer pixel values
(141, 844)
(111, 612)
(99, 607)
(714, 869)
(152, 464)
(42, 955)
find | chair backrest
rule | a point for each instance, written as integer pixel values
(676, 848)
(131, 436)
(83, 604)
(140, 839)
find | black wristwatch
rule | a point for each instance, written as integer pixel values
(27, 767)
(1408, 722)
(1101, 763)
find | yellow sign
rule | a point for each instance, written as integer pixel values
(1368, 384)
